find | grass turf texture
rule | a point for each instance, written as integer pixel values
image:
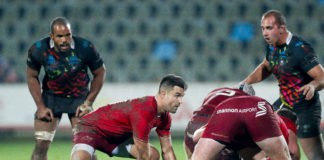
(60, 150)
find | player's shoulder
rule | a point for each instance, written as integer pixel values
(82, 42)
(145, 99)
(147, 103)
(40, 46)
(298, 44)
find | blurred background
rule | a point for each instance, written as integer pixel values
(140, 41)
(211, 43)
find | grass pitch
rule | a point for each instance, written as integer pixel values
(61, 149)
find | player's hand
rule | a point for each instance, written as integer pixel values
(84, 109)
(45, 114)
(247, 88)
(308, 90)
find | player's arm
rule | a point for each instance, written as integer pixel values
(142, 148)
(166, 147)
(97, 82)
(293, 145)
(95, 87)
(260, 73)
(34, 86)
(317, 73)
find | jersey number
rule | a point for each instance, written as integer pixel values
(223, 92)
(263, 109)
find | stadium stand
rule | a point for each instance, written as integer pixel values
(125, 33)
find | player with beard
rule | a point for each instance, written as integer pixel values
(65, 60)
(122, 129)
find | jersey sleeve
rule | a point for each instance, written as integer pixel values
(283, 127)
(163, 129)
(34, 58)
(141, 119)
(306, 56)
(290, 125)
(92, 56)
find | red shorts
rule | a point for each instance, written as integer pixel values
(199, 119)
(243, 121)
(106, 144)
(190, 130)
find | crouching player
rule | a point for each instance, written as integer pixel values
(238, 123)
(203, 114)
(124, 127)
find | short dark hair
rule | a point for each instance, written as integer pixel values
(171, 80)
(279, 17)
(288, 114)
(59, 21)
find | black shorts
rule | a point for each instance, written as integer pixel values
(60, 105)
(309, 118)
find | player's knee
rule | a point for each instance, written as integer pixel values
(82, 155)
(82, 151)
(154, 154)
(44, 135)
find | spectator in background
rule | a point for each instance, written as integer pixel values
(300, 76)
(7, 73)
(65, 89)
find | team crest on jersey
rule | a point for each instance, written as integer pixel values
(262, 109)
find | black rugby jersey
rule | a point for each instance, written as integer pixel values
(65, 73)
(290, 64)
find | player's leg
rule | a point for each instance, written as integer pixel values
(74, 120)
(207, 149)
(309, 133)
(313, 147)
(44, 134)
(275, 147)
(82, 151)
(187, 151)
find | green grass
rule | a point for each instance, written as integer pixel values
(60, 150)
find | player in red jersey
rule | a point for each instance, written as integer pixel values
(288, 122)
(240, 122)
(126, 125)
(203, 114)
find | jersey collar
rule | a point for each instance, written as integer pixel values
(289, 37)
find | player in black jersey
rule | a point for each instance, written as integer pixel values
(300, 76)
(65, 87)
